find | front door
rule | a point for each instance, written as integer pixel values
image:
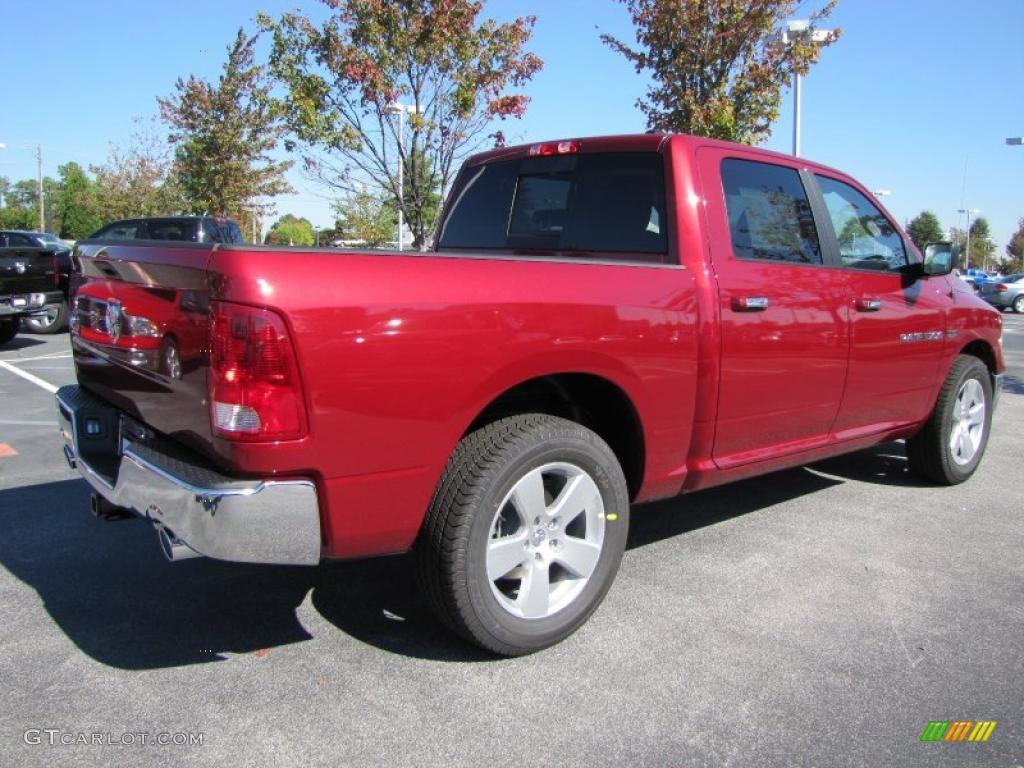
(784, 311)
(898, 326)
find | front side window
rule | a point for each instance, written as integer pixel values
(769, 213)
(867, 240)
(600, 203)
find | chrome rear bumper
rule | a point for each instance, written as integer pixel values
(248, 521)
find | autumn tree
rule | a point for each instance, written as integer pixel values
(1015, 251)
(717, 67)
(344, 77)
(224, 134)
(291, 230)
(136, 179)
(925, 228)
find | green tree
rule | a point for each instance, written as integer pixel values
(982, 248)
(1015, 250)
(224, 135)
(925, 228)
(136, 179)
(366, 218)
(291, 230)
(75, 203)
(343, 77)
(717, 67)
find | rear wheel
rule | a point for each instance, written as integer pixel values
(9, 329)
(950, 446)
(54, 321)
(524, 534)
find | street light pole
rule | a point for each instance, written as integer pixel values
(39, 174)
(968, 211)
(401, 109)
(794, 29)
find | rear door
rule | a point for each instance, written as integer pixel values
(897, 326)
(783, 309)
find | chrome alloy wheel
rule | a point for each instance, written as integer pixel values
(172, 360)
(968, 422)
(546, 539)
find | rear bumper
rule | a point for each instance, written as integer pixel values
(248, 521)
(28, 303)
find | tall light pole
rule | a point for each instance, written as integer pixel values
(39, 174)
(968, 211)
(794, 30)
(401, 109)
(2, 146)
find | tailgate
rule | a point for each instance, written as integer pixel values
(26, 270)
(139, 333)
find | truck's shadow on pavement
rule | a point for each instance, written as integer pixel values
(109, 589)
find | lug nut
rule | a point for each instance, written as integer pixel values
(553, 524)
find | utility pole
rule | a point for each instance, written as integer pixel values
(968, 211)
(39, 174)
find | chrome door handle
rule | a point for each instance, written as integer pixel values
(868, 305)
(750, 303)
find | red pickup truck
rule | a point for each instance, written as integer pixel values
(604, 321)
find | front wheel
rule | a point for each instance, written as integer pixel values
(949, 447)
(524, 534)
(1018, 304)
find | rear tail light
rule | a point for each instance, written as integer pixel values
(255, 394)
(1001, 288)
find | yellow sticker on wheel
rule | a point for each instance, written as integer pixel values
(611, 516)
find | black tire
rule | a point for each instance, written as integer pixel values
(1018, 304)
(9, 329)
(929, 452)
(453, 543)
(49, 325)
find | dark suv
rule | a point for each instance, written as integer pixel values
(192, 229)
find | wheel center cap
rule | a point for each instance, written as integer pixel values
(538, 537)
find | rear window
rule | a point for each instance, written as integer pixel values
(769, 213)
(611, 203)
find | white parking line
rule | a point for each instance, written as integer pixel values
(51, 356)
(28, 377)
(13, 423)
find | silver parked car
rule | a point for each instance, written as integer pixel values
(1005, 292)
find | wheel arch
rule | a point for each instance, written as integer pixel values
(590, 400)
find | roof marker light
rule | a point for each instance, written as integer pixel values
(555, 148)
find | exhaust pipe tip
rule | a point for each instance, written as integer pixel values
(174, 549)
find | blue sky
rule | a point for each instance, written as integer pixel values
(918, 97)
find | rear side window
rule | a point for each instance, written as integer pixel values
(171, 229)
(867, 240)
(612, 203)
(769, 213)
(124, 231)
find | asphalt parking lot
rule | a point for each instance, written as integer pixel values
(816, 617)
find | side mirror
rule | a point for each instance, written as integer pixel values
(938, 259)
